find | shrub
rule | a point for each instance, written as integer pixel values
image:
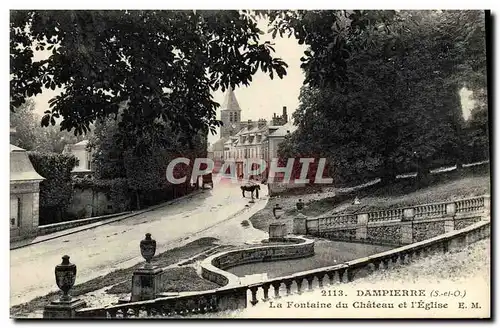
(56, 191)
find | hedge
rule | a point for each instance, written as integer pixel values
(56, 191)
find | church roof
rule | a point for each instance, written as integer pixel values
(230, 101)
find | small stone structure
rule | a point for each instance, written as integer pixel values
(277, 231)
(146, 280)
(24, 195)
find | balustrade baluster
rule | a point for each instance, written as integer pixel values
(331, 276)
(310, 280)
(265, 288)
(288, 285)
(298, 281)
(350, 274)
(320, 276)
(386, 263)
(276, 286)
(254, 295)
(394, 259)
(341, 275)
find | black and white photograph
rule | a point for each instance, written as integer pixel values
(250, 164)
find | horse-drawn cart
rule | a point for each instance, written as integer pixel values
(207, 180)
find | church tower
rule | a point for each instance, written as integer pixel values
(230, 115)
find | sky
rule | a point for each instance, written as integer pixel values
(264, 96)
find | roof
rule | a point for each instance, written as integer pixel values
(230, 101)
(21, 168)
(282, 131)
(82, 143)
(219, 144)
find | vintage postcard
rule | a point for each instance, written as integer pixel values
(209, 164)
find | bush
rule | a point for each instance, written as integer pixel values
(56, 191)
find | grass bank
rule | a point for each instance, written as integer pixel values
(123, 277)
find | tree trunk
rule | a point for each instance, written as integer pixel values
(137, 200)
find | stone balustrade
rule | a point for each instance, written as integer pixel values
(232, 298)
(213, 268)
(400, 226)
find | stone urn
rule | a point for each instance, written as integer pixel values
(65, 277)
(278, 211)
(148, 249)
(300, 205)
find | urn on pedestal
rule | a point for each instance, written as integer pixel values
(148, 249)
(299, 205)
(278, 211)
(65, 277)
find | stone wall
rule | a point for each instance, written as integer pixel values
(400, 226)
(87, 203)
(213, 268)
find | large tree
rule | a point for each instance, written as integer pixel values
(395, 104)
(165, 64)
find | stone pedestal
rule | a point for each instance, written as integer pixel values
(145, 284)
(277, 231)
(487, 207)
(361, 226)
(63, 310)
(406, 233)
(299, 225)
(449, 223)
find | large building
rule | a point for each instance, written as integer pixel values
(249, 139)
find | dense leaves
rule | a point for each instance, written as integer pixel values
(165, 64)
(145, 175)
(397, 106)
(30, 135)
(56, 190)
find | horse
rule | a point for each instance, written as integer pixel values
(251, 188)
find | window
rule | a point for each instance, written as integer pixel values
(15, 211)
(88, 160)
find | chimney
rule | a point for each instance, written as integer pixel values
(262, 123)
(285, 116)
(249, 124)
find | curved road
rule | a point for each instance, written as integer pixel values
(116, 245)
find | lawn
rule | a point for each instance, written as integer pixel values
(403, 192)
(172, 280)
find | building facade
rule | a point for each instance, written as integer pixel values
(24, 195)
(80, 151)
(241, 140)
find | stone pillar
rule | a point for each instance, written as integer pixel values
(300, 224)
(66, 306)
(277, 231)
(449, 223)
(35, 210)
(145, 284)
(361, 226)
(63, 309)
(407, 226)
(487, 207)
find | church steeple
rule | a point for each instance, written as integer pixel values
(230, 115)
(230, 102)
